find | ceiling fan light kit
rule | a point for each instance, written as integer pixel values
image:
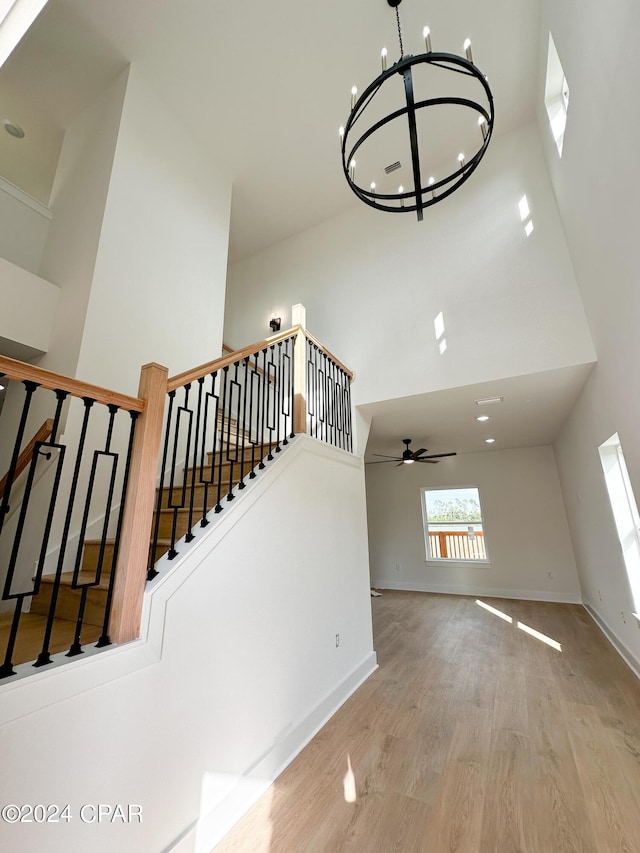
(359, 132)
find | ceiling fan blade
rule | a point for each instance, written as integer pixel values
(382, 462)
(436, 456)
(397, 458)
(419, 452)
(426, 459)
(400, 463)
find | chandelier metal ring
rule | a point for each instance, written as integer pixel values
(423, 194)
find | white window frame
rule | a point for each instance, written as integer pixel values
(472, 561)
(556, 95)
(625, 512)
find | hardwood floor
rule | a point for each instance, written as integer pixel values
(472, 736)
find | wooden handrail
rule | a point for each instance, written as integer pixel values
(205, 369)
(20, 371)
(42, 434)
(330, 355)
(196, 373)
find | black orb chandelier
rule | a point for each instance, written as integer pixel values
(430, 171)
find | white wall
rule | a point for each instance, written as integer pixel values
(138, 246)
(24, 225)
(597, 183)
(373, 283)
(27, 307)
(159, 280)
(240, 668)
(525, 527)
(78, 200)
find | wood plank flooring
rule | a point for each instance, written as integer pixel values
(473, 736)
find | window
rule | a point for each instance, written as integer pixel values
(453, 524)
(556, 95)
(625, 511)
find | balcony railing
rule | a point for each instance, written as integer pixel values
(456, 545)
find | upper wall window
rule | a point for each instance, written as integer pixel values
(556, 95)
(453, 524)
(625, 511)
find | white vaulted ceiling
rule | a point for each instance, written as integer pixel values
(265, 86)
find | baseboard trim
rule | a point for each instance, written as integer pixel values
(478, 590)
(237, 794)
(627, 656)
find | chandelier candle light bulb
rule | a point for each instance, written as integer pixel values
(383, 58)
(426, 34)
(467, 50)
(482, 122)
(354, 95)
(461, 159)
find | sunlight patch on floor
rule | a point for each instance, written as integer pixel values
(530, 631)
(542, 637)
(494, 610)
(349, 783)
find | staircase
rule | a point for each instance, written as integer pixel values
(274, 389)
(32, 624)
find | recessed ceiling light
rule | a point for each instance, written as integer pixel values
(13, 129)
(489, 440)
(483, 418)
(487, 400)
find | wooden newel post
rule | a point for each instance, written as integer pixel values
(133, 555)
(298, 318)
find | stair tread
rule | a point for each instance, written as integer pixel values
(31, 632)
(83, 577)
(112, 541)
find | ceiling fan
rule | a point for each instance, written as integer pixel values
(410, 456)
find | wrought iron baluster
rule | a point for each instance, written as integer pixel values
(278, 398)
(337, 395)
(242, 484)
(254, 403)
(174, 467)
(104, 639)
(331, 400)
(7, 669)
(199, 440)
(223, 433)
(286, 390)
(30, 388)
(291, 384)
(76, 647)
(347, 406)
(312, 402)
(211, 463)
(343, 408)
(232, 458)
(44, 656)
(269, 399)
(163, 469)
(322, 396)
